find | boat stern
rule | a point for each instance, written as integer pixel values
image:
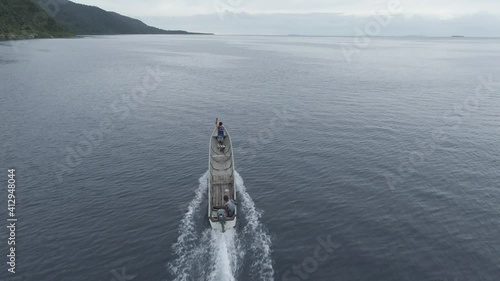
(216, 225)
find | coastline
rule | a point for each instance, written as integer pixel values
(15, 37)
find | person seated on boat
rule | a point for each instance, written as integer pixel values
(230, 206)
(220, 132)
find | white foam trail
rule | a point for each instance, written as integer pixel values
(206, 254)
(185, 248)
(254, 231)
(225, 256)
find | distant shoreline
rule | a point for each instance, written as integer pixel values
(15, 37)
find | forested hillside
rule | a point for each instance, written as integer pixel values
(88, 20)
(25, 19)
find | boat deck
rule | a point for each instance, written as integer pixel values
(221, 173)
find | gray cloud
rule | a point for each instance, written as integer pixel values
(193, 7)
(479, 18)
(475, 25)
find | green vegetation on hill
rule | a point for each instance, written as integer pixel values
(20, 19)
(25, 19)
(89, 20)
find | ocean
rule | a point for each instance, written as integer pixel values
(357, 160)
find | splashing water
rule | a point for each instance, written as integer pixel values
(206, 254)
(255, 233)
(184, 248)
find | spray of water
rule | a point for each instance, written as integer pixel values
(206, 254)
(254, 232)
(186, 246)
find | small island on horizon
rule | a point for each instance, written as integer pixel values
(27, 19)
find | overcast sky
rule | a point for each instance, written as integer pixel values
(141, 8)
(338, 17)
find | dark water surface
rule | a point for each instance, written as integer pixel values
(392, 159)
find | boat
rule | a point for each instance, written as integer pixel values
(220, 182)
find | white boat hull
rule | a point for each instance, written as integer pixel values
(220, 181)
(229, 225)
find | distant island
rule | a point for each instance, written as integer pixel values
(25, 19)
(457, 36)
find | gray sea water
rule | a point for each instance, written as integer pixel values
(355, 162)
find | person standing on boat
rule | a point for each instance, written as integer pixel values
(230, 206)
(220, 132)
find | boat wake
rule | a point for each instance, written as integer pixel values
(205, 254)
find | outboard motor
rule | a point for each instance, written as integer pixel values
(221, 214)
